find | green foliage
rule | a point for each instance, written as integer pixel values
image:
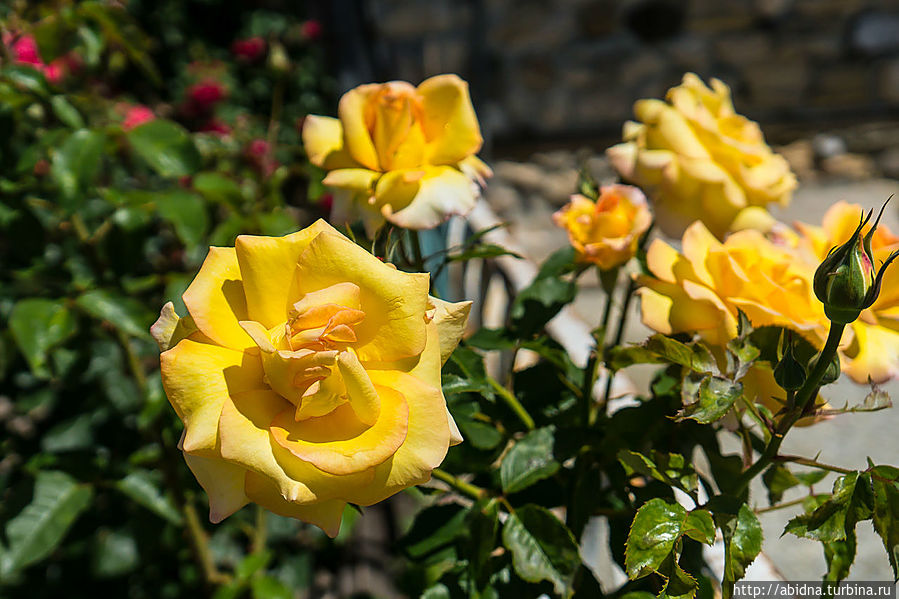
(542, 547)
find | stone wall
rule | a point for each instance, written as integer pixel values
(544, 69)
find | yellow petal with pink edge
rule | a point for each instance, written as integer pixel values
(450, 319)
(325, 514)
(323, 142)
(267, 266)
(223, 483)
(198, 399)
(426, 443)
(215, 299)
(426, 201)
(394, 302)
(874, 354)
(449, 122)
(339, 443)
(356, 136)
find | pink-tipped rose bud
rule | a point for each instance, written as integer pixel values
(250, 49)
(259, 154)
(137, 115)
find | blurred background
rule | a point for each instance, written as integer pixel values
(96, 232)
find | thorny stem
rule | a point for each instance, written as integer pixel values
(779, 506)
(619, 334)
(473, 491)
(806, 394)
(260, 532)
(509, 398)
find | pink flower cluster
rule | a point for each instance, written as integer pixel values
(25, 51)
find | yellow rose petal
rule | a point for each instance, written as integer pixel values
(341, 444)
(449, 122)
(324, 514)
(426, 201)
(394, 302)
(356, 135)
(198, 378)
(323, 142)
(215, 299)
(267, 265)
(223, 483)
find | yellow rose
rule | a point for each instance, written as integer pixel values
(400, 152)
(874, 351)
(606, 232)
(699, 160)
(307, 375)
(701, 289)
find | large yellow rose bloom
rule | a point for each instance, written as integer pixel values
(770, 278)
(698, 159)
(400, 152)
(307, 375)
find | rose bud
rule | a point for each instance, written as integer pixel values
(845, 282)
(250, 49)
(789, 373)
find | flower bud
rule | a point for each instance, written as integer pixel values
(845, 282)
(789, 373)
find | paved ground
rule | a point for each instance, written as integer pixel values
(845, 441)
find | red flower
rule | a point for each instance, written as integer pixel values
(216, 126)
(56, 71)
(311, 29)
(249, 49)
(259, 154)
(206, 94)
(135, 115)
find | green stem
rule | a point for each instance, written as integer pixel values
(619, 334)
(509, 398)
(473, 491)
(779, 506)
(806, 394)
(260, 532)
(200, 541)
(416, 251)
(595, 361)
(795, 459)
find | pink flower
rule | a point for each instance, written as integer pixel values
(135, 115)
(216, 126)
(56, 71)
(25, 51)
(311, 29)
(259, 154)
(249, 49)
(206, 94)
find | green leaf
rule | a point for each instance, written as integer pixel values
(678, 584)
(671, 468)
(851, 501)
(251, 564)
(482, 435)
(656, 528)
(38, 325)
(115, 553)
(742, 538)
(187, 213)
(433, 529)
(167, 147)
(25, 77)
(480, 525)
(661, 348)
(76, 163)
(66, 113)
(539, 302)
(124, 313)
(266, 587)
(839, 556)
(530, 460)
(217, 188)
(700, 526)
(486, 250)
(542, 547)
(715, 397)
(140, 487)
(778, 479)
(560, 262)
(36, 531)
(886, 518)
(69, 435)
